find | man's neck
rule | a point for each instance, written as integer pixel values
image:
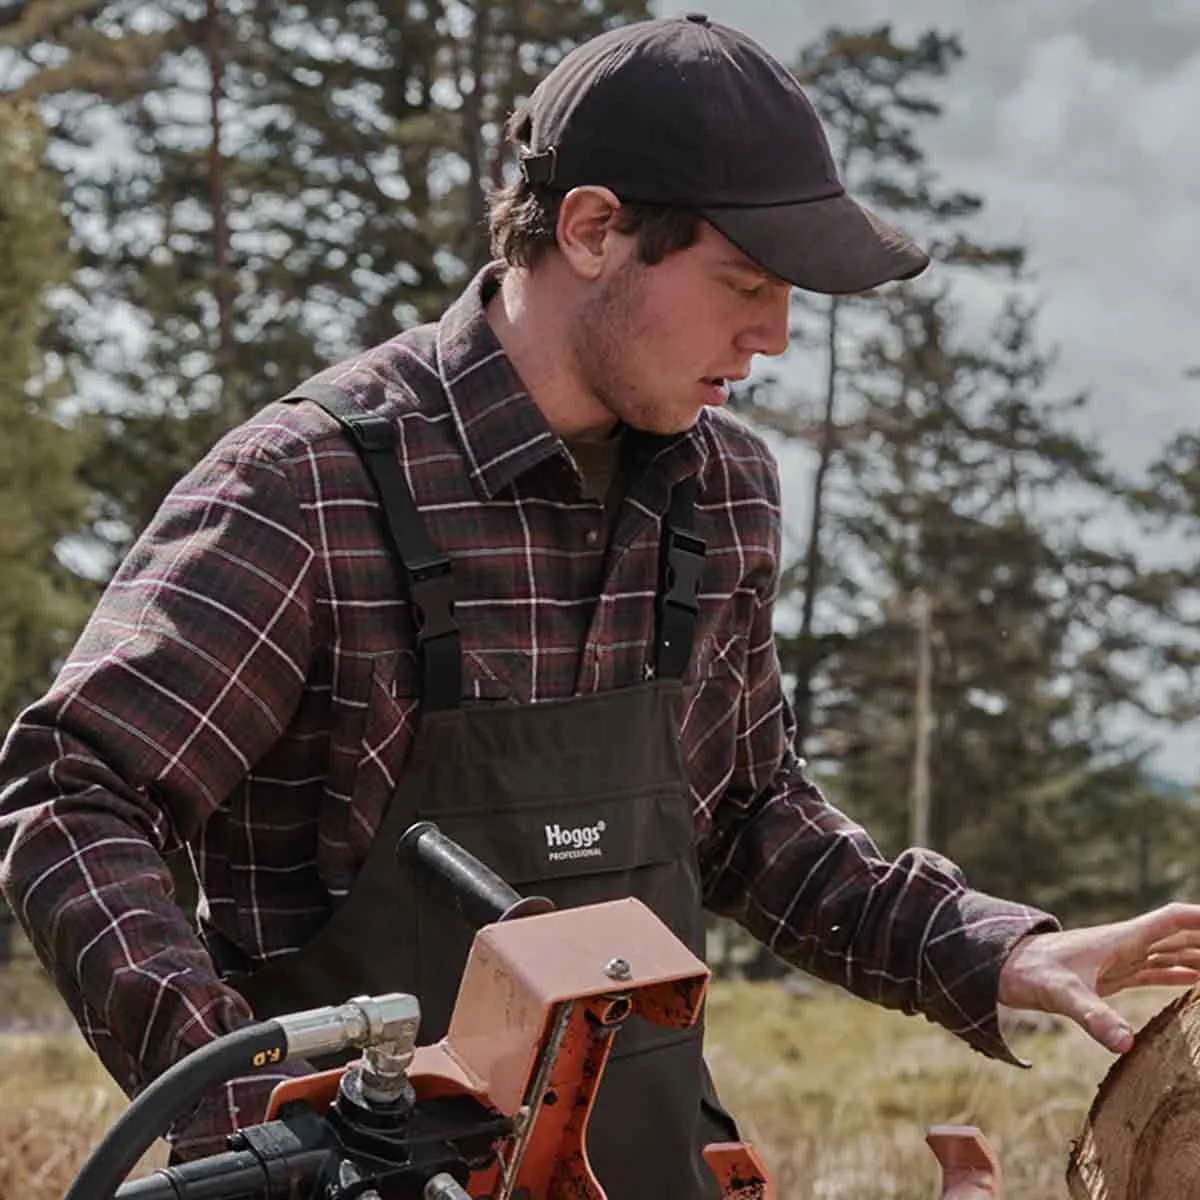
(531, 326)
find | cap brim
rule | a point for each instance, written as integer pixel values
(833, 246)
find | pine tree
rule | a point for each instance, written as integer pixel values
(873, 92)
(42, 601)
(299, 182)
(976, 494)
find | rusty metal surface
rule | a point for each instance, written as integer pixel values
(970, 1170)
(530, 1034)
(740, 1171)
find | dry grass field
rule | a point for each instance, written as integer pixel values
(838, 1094)
(835, 1092)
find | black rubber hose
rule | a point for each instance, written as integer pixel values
(171, 1095)
(480, 893)
(276, 1166)
(235, 1173)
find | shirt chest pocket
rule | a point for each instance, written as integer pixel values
(488, 676)
(393, 713)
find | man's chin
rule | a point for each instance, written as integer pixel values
(661, 424)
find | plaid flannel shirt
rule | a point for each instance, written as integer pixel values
(246, 688)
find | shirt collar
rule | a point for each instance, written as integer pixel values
(502, 431)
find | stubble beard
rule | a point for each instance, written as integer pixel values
(605, 332)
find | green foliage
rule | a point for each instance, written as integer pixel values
(298, 181)
(42, 604)
(945, 475)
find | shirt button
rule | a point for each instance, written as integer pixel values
(592, 538)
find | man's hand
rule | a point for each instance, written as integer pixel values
(1069, 972)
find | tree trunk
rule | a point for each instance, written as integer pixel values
(919, 805)
(802, 698)
(222, 289)
(473, 140)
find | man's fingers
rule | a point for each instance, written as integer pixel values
(1174, 958)
(1187, 940)
(1153, 976)
(1179, 968)
(1176, 920)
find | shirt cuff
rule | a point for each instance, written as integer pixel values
(964, 955)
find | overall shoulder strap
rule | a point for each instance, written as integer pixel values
(681, 565)
(423, 566)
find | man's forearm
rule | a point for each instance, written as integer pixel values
(906, 934)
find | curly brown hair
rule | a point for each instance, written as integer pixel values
(523, 218)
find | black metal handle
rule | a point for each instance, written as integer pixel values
(479, 892)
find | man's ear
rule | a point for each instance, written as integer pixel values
(587, 225)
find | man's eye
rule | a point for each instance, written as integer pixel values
(750, 291)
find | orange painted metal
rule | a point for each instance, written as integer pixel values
(319, 1090)
(970, 1170)
(519, 971)
(740, 1171)
(538, 1005)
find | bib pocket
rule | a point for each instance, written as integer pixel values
(586, 852)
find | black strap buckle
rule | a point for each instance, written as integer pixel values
(541, 169)
(685, 566)
(431, 592)
(373, 434)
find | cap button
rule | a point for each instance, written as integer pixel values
(696, 18)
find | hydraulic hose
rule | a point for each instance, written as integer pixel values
(358, 1023)
(233, 1174)
(272, 1162)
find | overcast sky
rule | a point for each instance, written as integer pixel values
(1080, 124)
(1077, 120)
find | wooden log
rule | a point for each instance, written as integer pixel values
(1141, 1139)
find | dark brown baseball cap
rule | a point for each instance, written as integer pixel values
(685, 112)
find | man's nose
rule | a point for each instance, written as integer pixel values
(769, 333)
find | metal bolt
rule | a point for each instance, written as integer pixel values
(618, 968)
(444, 1187)
(348, 1175)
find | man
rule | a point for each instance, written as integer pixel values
(564, 643)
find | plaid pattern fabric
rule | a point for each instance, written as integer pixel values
(247, 688)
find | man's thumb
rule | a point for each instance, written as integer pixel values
(1100, 1020)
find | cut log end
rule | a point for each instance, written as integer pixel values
(1141, 1139)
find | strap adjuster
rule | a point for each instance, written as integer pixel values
(684, 568)
(539, 169)
(373, 434)
(431, 593)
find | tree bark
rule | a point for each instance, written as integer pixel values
(919, 797)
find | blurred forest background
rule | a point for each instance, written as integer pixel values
(985, 623)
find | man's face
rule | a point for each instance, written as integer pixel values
(657, 344)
